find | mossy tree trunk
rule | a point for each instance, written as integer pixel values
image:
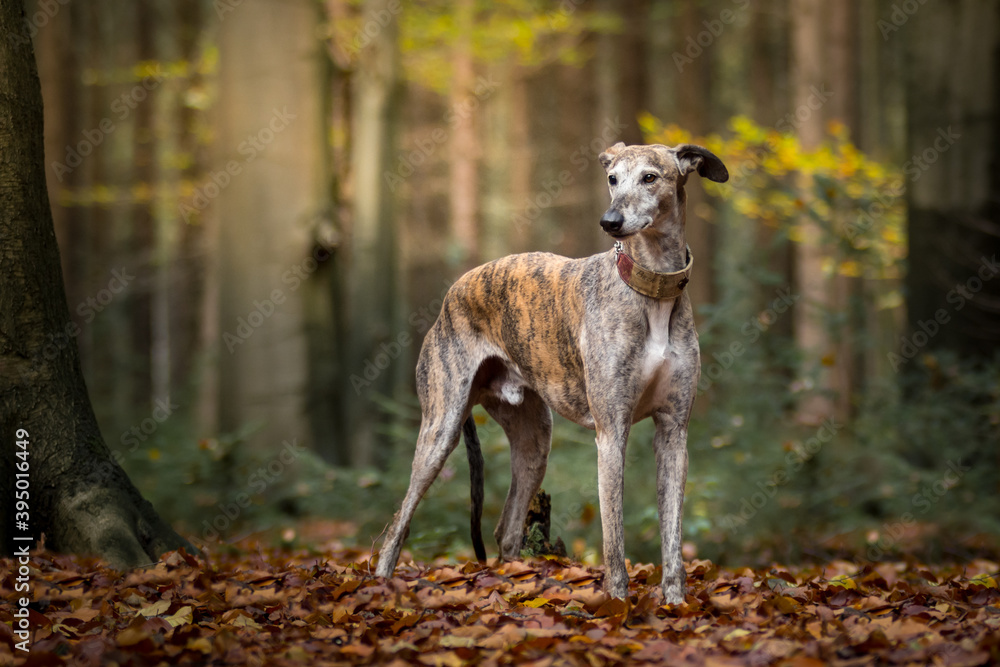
(79, 497)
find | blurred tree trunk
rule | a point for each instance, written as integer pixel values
(329, 389)
(769, 73)
(79, 497)
(372, 346)
(633, 75)
(499, 205)
(266, 184)
(607, 110)
(464, 162)
(521, 169)
(694, 91)
(880, 113)
(166, 227)
(141, 133)
(848, 292)
(953, 97)
(767, 58)
(811, 312)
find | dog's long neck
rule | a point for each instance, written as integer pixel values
(661, 247)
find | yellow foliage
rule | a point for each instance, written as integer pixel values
(854, 199)
(850, 268)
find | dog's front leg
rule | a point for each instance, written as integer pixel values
(611, 492)
(670, 443)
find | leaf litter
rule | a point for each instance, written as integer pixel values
(261, 606)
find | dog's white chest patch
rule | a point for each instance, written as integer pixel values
(657, 359)
(658, 338)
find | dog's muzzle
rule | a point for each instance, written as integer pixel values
(612, 221)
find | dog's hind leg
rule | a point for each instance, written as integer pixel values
(437, 440)
(445, 404)
(528, 426)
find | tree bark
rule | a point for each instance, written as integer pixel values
(811, 334)
(79, 497)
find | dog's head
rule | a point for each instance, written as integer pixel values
(647, 183)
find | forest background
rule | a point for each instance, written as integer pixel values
(260, 204)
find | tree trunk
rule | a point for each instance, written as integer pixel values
(267, 183)
(847, 291)
(521, 164)
(953, 94)
(694, 93)
(464, 161)
(811, 332)
(78, 496)
(633, 76)
(770, 101)
(372, 328)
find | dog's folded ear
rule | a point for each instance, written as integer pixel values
(607, 156)
(691, 157)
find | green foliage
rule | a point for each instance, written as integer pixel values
(913, 472)
(759, 486)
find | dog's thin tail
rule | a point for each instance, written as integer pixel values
(475, 453)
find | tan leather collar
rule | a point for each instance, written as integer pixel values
(651, 283)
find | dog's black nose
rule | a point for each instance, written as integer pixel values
(612, 221)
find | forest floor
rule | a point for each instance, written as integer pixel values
(257, 605)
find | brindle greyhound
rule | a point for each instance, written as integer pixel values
(605, 341)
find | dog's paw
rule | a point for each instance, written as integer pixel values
(673, 590)
(616, 586)
(673, 596)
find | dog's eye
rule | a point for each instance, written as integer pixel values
(613, 180)
(649, 178)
